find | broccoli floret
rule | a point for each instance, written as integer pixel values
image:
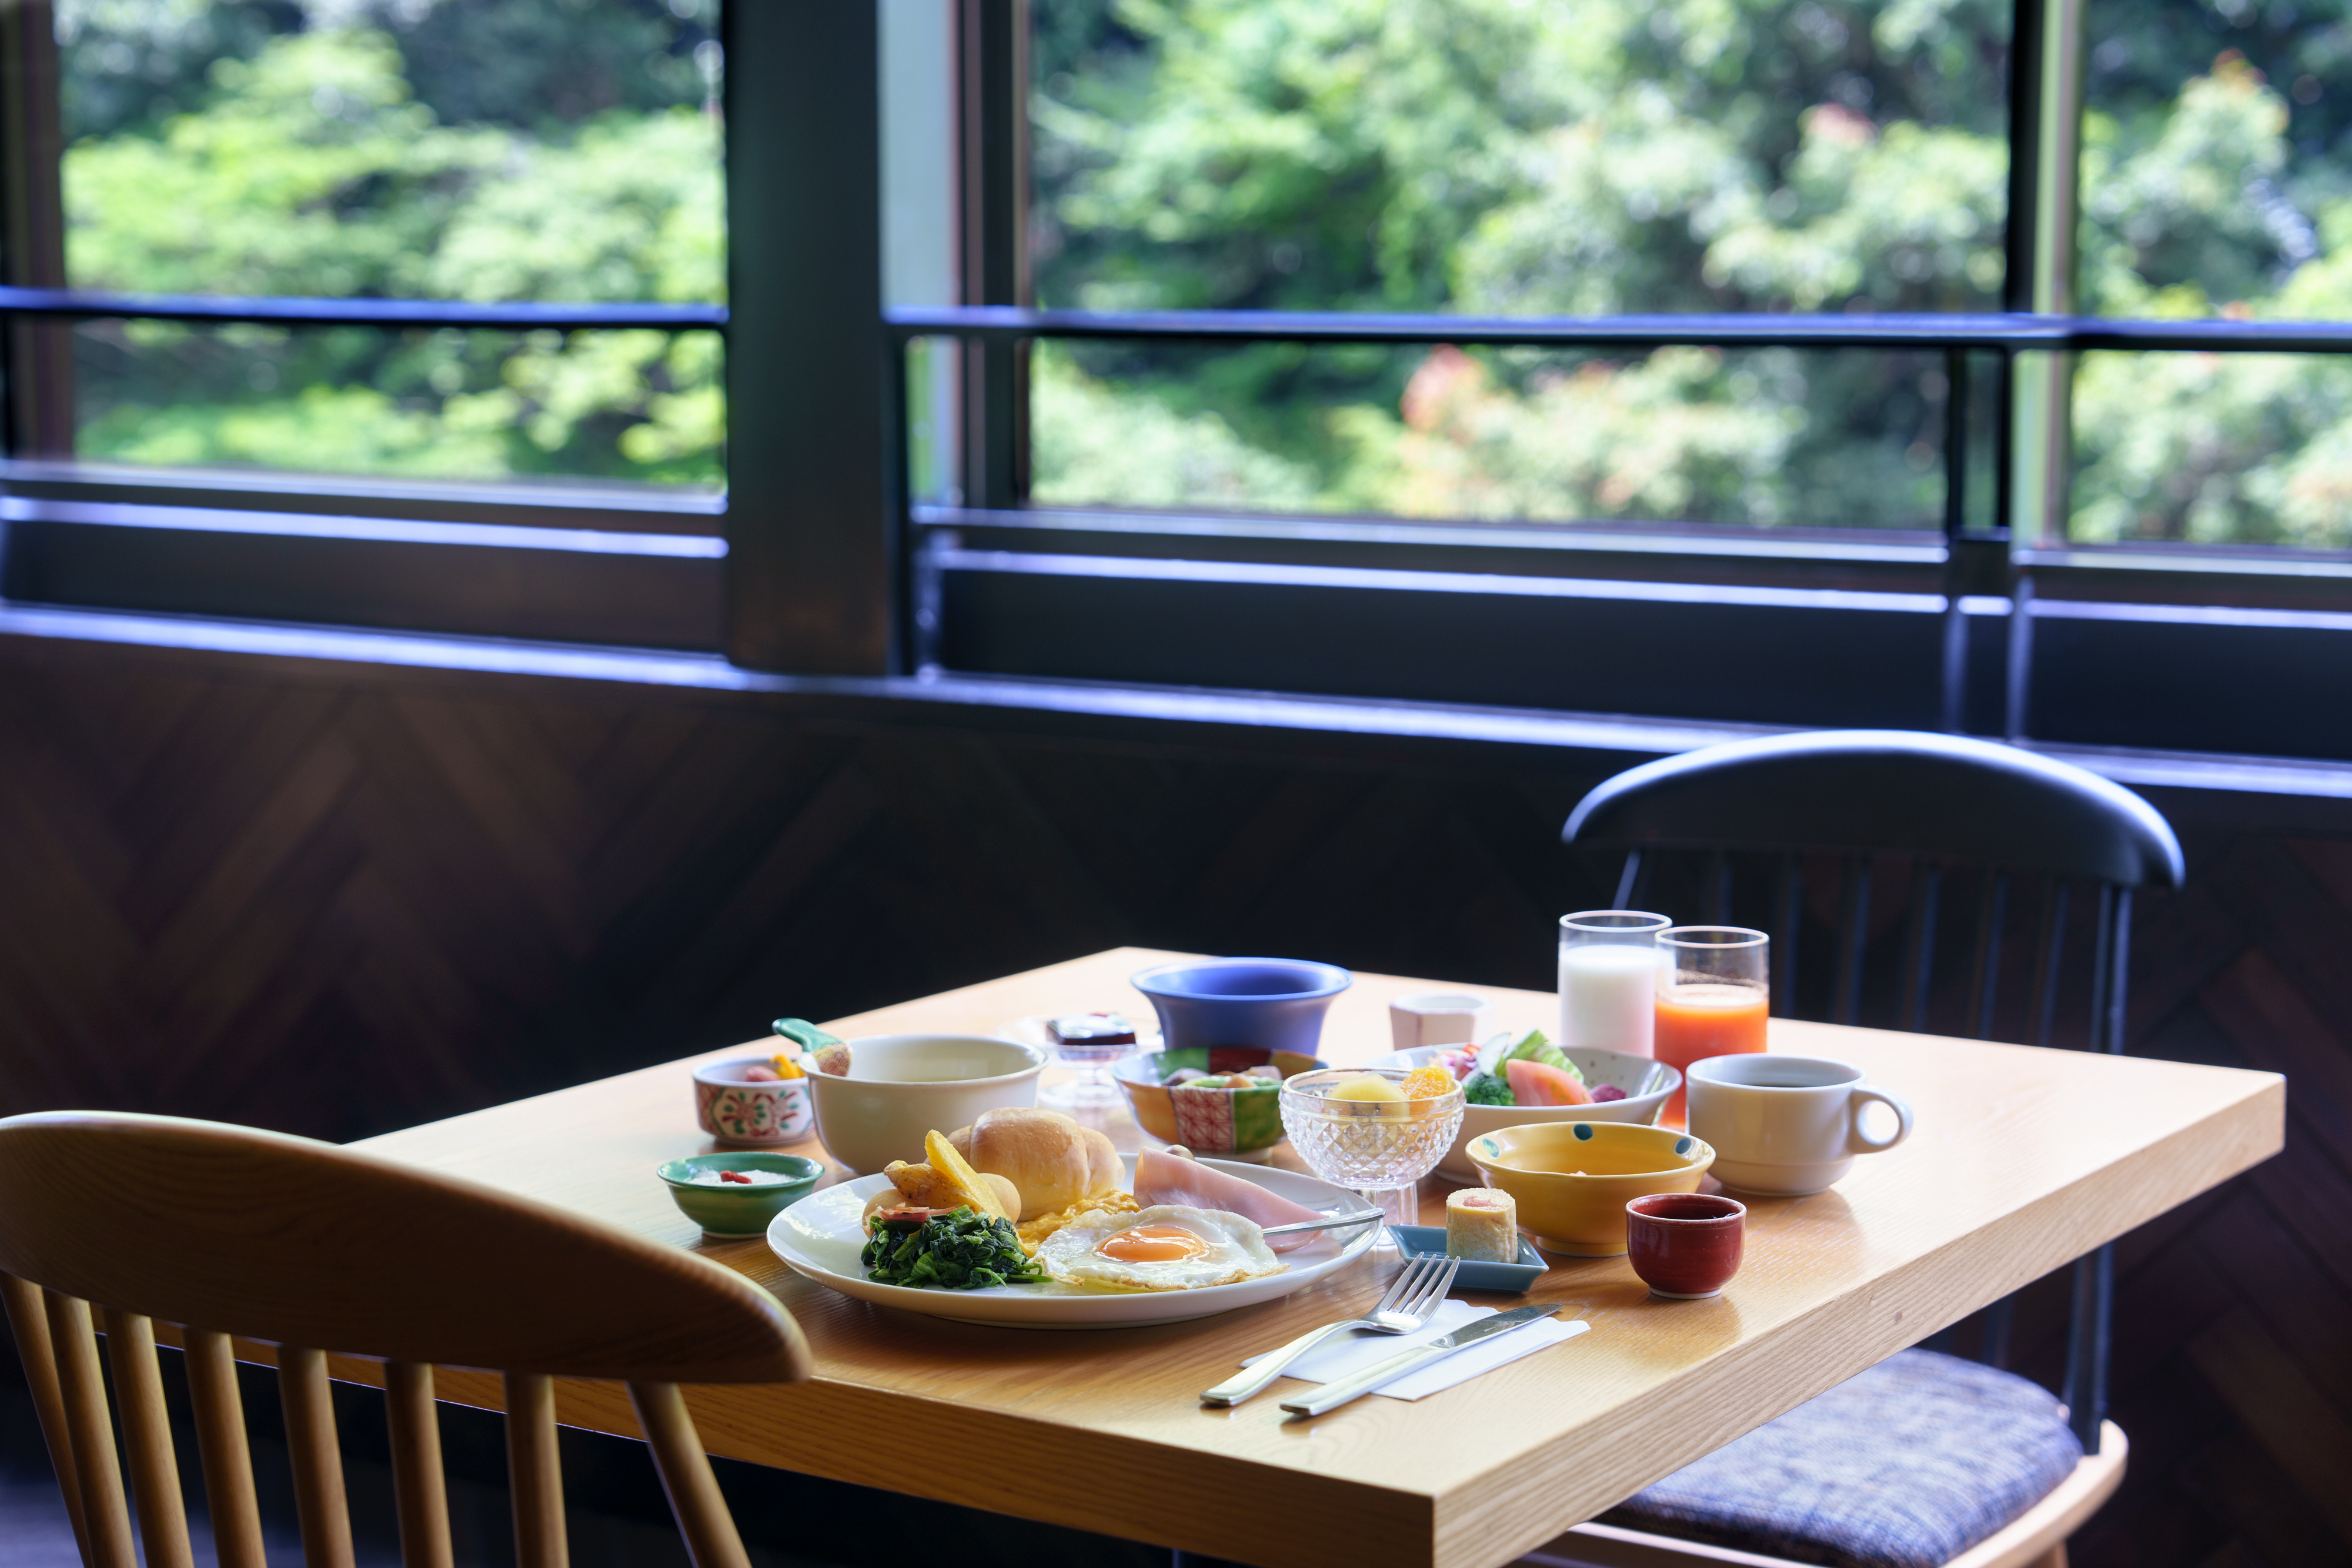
(1487, 1088)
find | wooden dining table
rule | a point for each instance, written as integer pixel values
(2022, 1159)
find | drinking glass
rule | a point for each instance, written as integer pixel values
(1609, 980)
(1712, 1000)
(1380, 1148)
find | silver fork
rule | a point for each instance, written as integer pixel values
(1419, 1286)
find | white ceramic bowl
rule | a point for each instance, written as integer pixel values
(901, 1086)
(1621, 1068)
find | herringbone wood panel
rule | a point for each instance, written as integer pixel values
(337, 901)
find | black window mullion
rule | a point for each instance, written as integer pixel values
(993, 120)
(810, 570)
(2046, 170)
(39, 352)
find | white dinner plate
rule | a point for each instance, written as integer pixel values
(819, 1237)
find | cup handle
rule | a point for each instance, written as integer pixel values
(1855, 1141)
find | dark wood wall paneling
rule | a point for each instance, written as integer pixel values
(337, 899)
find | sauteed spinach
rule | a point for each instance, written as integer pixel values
(961, 1251)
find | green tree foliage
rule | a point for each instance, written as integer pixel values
(2229, 199)
(1490, 156)
(308, 163)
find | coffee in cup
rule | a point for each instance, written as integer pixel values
(1785, 1126)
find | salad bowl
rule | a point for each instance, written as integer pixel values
(1646, 1085)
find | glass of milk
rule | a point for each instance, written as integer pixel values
(1609, 980)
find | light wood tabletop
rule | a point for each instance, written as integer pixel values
(2023, 1160)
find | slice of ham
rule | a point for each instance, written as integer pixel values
(1163, 1178)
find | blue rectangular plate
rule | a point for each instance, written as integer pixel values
(1418, 1240)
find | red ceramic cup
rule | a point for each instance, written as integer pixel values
(1684, 1245)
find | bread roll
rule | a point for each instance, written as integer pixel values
(1054, 1161)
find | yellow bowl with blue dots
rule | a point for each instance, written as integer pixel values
(1572, 1180)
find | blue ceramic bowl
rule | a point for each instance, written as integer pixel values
(1273, 1004)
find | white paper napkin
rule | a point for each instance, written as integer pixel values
(1337, 1358)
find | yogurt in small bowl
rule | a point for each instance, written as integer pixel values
(772, 1183)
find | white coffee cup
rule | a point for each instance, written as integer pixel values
(1439, 1017)
(1786, 1125)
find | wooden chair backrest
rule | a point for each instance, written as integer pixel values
(229, 1231)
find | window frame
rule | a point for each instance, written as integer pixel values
(2019, 570)
(830, 567)
(561, 560)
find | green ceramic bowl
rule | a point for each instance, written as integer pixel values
(733, 1210)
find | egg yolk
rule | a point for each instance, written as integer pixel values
(1153, 1244)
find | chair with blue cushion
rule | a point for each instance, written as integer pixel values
(1927, 1460)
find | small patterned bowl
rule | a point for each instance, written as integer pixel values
(746, 1114)
(1222, 1122)
(738, 1211)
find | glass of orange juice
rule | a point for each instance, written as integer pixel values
(1713, 998)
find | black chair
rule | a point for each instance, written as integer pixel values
(1754, 825)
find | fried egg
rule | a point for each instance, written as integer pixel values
(1164, 1247)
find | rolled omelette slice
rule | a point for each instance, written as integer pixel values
(1481, 1226)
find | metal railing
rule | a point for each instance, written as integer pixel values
(1978, 560)
(86, 303)
(2006, 332)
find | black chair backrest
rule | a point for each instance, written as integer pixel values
(1948, 808)
(1947, 804)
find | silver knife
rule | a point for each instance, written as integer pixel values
(1331, 1395)
(1363, 1216)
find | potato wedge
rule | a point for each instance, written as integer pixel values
(955, 1182)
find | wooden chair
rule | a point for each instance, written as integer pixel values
(1993, 828)
(125, 1221)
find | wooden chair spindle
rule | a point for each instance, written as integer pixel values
(319, 1503)
(693, 1496)
(221, 1445)
(72, 1340)
(534, 1471)
(419, 1489)
(147, 1437)
(29, 1319)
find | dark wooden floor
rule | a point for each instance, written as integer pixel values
(337, 900)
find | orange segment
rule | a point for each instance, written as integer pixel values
(1427, 1083)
